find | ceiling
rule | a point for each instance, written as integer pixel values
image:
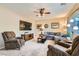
(27, 9)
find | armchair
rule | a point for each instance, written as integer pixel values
(10, 40)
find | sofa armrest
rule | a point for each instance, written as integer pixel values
(66, 45)
(53, 51)
(21, 40)
(76, 51)
(18, 37)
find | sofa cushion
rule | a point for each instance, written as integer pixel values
(48, 33)
(9, 35)
(56, 51)
(13, 34)
(49, 37)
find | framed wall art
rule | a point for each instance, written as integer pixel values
(45, 25)
(38, 26)
(54, 25)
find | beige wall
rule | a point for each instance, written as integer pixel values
(62, 24)
(9, 21)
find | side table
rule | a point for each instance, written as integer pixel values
(41, 40)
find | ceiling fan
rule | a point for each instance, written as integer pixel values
(41, 12)
(62, 4)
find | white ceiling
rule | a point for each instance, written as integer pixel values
(27, 9)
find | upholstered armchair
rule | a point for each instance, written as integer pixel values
(10, 40)
(74, 51)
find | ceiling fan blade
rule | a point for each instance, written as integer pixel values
(47, 13)
(62, 3)
(36, 12)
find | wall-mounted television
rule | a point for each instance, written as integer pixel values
(25, 25)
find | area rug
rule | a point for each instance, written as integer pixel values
(30, 48)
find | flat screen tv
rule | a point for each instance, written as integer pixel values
(25, 25)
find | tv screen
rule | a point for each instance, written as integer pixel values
(25, 25)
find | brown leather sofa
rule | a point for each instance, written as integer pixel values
(64, 44)
(10, 40)
(74, 51)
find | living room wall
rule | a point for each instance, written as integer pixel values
(9, 21)
(62, 24)
(33, 26)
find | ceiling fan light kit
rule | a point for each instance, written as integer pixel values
(41, 12)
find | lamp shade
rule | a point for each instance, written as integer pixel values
(75, 28)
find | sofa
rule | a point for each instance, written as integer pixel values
(74, 51)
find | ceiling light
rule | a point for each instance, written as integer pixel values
(42, 12)
(68, 25)
(75, 28)
(63, 4)
(71, 20)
